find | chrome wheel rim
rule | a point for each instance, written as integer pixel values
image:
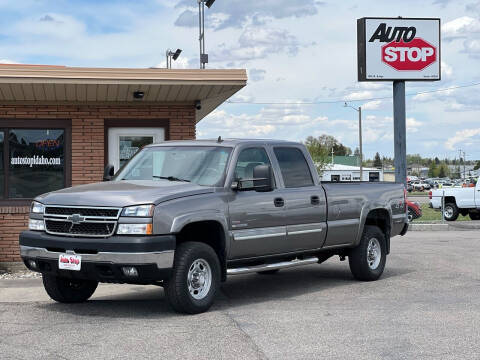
(410, 216)
(448, 212)
(199, 279)
(374, 253)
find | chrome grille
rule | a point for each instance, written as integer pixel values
(81, 220)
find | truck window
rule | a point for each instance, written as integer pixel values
(247, 160)
(294, 167)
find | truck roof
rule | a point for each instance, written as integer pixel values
(224, 142)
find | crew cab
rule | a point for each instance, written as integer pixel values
(185, 215)
(464, 200)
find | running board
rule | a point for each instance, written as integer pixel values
(273, 266)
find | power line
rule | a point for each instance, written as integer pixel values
(343, 100)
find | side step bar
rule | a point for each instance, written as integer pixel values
(273, 266)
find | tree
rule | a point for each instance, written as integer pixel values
(432, 170)
(477, 165)
(377, 162)
(441, 171)
(437, 161)
(321, 149)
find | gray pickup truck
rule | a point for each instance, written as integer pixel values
(186, 214)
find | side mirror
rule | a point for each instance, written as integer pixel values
(108, 172)
(262, 178)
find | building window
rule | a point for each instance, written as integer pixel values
(33, 161)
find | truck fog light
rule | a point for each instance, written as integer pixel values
(35, 224)
(134, 229)
(32, 264)
(130, 271)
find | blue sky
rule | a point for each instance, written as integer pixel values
(294, 51)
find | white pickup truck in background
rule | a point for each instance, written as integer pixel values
(465, 201)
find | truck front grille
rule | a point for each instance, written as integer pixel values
(81, 221)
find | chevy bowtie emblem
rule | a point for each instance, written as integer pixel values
(76, 218)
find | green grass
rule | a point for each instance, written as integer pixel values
(431, 215)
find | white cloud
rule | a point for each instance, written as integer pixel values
(460, 27)
(461, 137)
(8, 61)
(413, 125)
(358, 95)
(372, 105)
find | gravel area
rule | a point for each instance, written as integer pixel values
(23, 274)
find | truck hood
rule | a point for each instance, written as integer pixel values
(123, 193)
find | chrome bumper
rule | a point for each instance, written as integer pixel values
(163, 259)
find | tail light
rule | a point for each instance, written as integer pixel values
(430, 195)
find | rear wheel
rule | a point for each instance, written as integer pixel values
(195, 278)
(68, 290)
(367, 260)
(450, 212)
(474, 215)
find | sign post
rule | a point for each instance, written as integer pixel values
(399, 50)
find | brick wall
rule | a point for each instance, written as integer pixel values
(88, 141)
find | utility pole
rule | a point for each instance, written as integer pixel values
(332, 155)
(359, 110)
(201, 28)
(360, 140)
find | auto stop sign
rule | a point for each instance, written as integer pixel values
(398, 49)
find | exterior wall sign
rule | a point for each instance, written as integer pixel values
(398, 49)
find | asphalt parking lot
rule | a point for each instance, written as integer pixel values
(426, 306)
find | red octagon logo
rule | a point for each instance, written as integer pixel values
(415, 55)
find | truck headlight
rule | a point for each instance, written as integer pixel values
(138, 211)
(135, 229)
(37, 208)
(35, 224)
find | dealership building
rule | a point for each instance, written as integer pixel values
(60, 126)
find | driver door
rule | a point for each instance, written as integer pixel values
(257, 220)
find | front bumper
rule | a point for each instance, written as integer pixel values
(102, 258)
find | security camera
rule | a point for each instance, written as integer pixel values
(198, 105)
(138, 94)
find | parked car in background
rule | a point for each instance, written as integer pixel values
(465, 201)
(420, 186)
(409, 187)
(414, 210)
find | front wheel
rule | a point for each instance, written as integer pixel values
(68, 290)
(195, 278)
(367, 260)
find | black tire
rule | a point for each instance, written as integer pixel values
(474, 215)
(411, 214)
(358, 257)
(268, 272)
(68, 290)
(177, 287)
(451, 211)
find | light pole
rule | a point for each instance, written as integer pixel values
(172, 56)
(201, 28)
(359, 110)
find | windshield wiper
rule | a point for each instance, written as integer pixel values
(170, 178)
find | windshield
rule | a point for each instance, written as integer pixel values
(202, 165)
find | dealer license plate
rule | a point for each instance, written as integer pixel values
(69, 262)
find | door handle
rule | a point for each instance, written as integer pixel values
(314, 200)
(279, 202)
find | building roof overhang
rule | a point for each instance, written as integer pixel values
(62, 84)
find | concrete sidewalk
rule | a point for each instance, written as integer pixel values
(447, 226)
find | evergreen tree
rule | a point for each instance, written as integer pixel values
(377, 162)
(432, 170)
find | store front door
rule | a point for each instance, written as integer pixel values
(124, 142)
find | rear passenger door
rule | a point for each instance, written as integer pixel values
(305, 202)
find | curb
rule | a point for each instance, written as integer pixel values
(442, 227)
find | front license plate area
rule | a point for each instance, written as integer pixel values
(69, 262)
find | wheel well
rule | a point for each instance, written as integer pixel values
(210, 233)
(450, 199)
(380, 218)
